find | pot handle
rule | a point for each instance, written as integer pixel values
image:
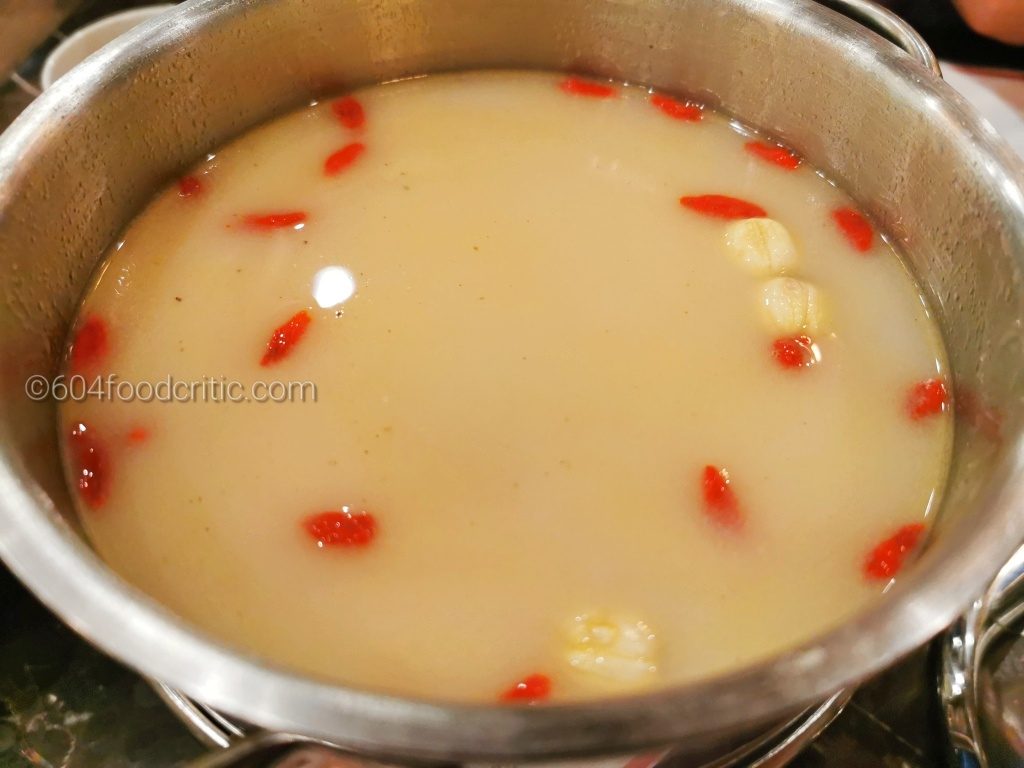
(890, 26)
(969, 704)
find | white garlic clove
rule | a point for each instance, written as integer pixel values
(616, 648)
(792, 305)
(763, 246)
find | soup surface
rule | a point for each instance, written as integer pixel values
(591, 391)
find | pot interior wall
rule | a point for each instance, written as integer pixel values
(92, 153)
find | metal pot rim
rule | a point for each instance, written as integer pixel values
(129, 625)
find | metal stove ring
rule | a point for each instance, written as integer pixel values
(773, 749)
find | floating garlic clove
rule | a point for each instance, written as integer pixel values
(791, 305)
(763, 246)
(616, 648)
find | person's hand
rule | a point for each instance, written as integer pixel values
(1000, 19)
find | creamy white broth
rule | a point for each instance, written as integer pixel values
(542, 353)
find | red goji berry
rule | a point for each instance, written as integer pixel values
(580, 87)
(285, 337)
(90, 467)
(91, 344)
(927, 398)
(720, 500)
(722, 207)
(341, 529)
(530, 689)
(855, 228)
(795, 352)
(189, 186)
(338, 161)
(349, 112)
(677, 109)
(886, 559)
(773, 153)
(268, 221)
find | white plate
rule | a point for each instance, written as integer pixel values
(90, 38)
(1007, 121)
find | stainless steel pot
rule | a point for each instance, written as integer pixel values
(90, 152)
